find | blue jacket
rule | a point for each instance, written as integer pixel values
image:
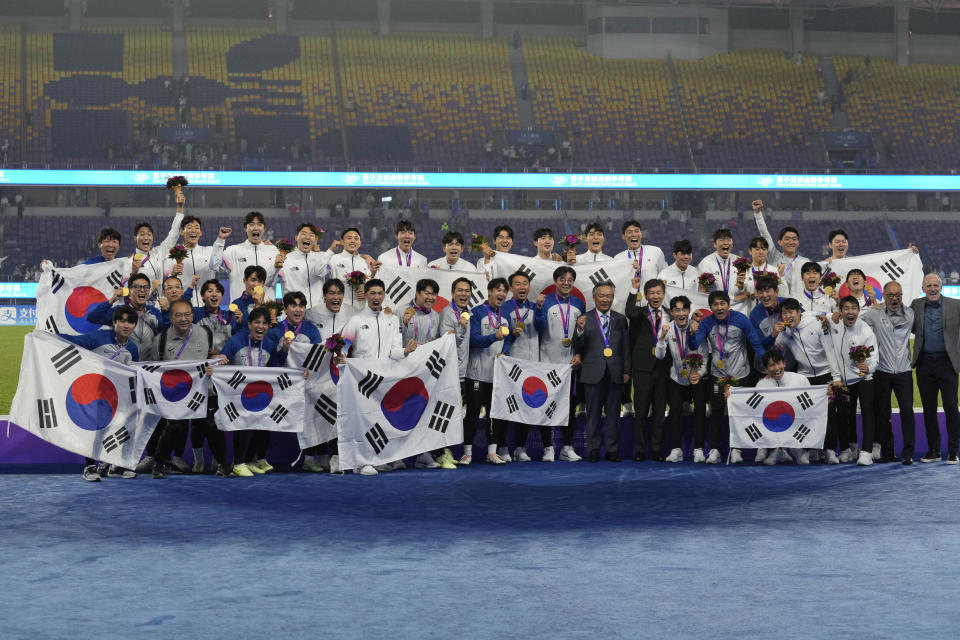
(307, 330)
(104, 343)
(757, 316)
(236, 351)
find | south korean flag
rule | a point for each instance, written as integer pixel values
(264, 398)
(536, 393)
(81, 401)
(400, 285)
(389, 410)
(320, 423)
(770, 417)
(175, 390)
(65, 296)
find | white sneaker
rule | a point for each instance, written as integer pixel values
(761, 455)
(425, 461)
(335, 464)
(520, 455)
(548, 454)
(384, 467)
(504, 454)
(626, 411)
(735, 456)
(876, 451)
(366, 470)
(830, 457)
(848, 454)
(804, 458)
(198, 460)
(90, 473)
(568, 454)
(698, 457)
(772, 457)
(145, 465)
(714, 457)
(676, 455)
(466, 458)
(865, 459)
(493, 458)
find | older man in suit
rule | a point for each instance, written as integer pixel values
(936, 356)
(601, 344)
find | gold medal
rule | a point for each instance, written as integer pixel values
(684, 374)
(608, 352)
(720, 364)
(233, 307)
(289, 335)
(566, 342)
(653, 351)
(519, 324)
(828, 291)
(126, 291)
(258, 289)
(138, 257)
(504, 331)
(465, 315)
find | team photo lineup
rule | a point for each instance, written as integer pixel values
(374, 363)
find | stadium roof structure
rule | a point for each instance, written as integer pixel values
(926, 5)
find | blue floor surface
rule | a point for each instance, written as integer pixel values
(526, 551)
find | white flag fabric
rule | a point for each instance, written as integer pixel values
(400, 285)
(389, 410)
(536, 393)
(264, 398)
(175, 390)
(698, 301)
(320, 422)
(64, 296)
(619, 272)
(80, 401)
(771, 417)
(880, 268)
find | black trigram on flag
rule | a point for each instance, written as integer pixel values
(369, 383)
(236, 379)
(231, 412)
(284, 381)
(476, 296)
(115, 279)
(440, 420)
(377, 438)
(196, 401)
(802, 432)
(551, 409)
(754, 400)
(512, 404)
(46, 413)
(524, 269)
(892, 269)
(116, 439)
(599, 277)
(753, 432)
(314, 358)
(56, 282)
(201, 369)
(327, 408)
(279, 414)
(805, 401)
(150, 367)
(132, 381)
(148, 396)
(51, 326)
(553, 378)
(65, 359)
(398, 289)
(515, 373)
(436, 364)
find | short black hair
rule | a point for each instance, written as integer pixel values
(787, 230)
(453, 286)
(212, 282)
(181, 301)
(261, 313)
(256, 270)
(541, 233)
(853, 271)
(503, 227)
(721, 233)
(348, 230)
(307, 225)
(404, 225)
(849, 300)
(771, 356)
(427, 283)
(141, 225)
(252, 216)
(791, 304)
(837, 232)
(294, 297)
(594, 226)
(630, 223)
(452, 236)
(653, 283)
(680, 301)
(559, 272)
(187, 220)
(718, 295)
(765, 283)
(331, 283)
(758, 242)
(497, 282)
(138, 276)
(126, 312)
(373, 282)
(682, 246)
(811, 266)
(108, 233)
(518, 274)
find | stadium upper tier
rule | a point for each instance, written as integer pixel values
(253, 97)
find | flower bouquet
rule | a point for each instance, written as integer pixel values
(476, 244)
(356, 278)
(838, 394)
(274, 308)
(725, 382)
(284, 246)
(177, 183)
(741, 264)
(829, 282)
(707, 281)
(691, 363)
(178, 252)
(570, 241)
(336, 344)
(860, 353)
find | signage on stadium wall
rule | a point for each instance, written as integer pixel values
(406, 180)
(18, 290)
(530, 136)
(184, 134)
(18, 315)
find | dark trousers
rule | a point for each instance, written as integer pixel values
(935, 376)
(719, 425)
(600, 397)
(478, 395)
(248, 444)
(901, 384)
(546, 433)
(833, 413)
(677, 394)
(649, 390)
(177, 429)
(151, 449)
(862, 392)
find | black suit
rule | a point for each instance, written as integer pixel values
(937, 373)
(649, 375)
(602, 376)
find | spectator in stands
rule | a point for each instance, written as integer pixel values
(18, 199)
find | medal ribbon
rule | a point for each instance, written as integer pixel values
(605, 334)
